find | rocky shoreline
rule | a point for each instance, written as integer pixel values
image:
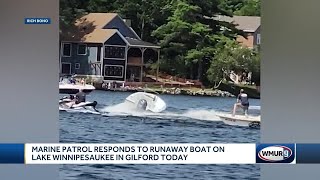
(225, 90)
(173, 91)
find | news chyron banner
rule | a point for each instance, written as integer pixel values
(140, 154)
(159, 153)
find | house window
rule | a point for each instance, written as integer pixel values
(258, 38)
(113, 71)
(66, 49)
(99, 54)
(82, 49)
(66, 68)
(114, 52)
(77, 66)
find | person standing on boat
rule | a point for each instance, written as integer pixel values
(72, 80)
(243, 102)
(83, 82)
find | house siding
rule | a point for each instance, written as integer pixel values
(70, 59)
(251, 40)
(93, 69)
(246, 42)
(94, 61)
(115, 40)
(258, 31)
(84, 60)
(122, 27)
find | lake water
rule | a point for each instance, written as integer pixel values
(187, 119)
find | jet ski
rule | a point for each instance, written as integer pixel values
(67, 104)
(147, 102)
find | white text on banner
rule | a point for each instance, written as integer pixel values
(140, 153)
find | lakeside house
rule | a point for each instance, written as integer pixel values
(103, 46)
(250, 25)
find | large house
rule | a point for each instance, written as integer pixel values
(250, 25)
(104, 46)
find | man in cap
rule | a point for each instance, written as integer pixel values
(243, 102)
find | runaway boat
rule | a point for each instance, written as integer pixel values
(147, 102)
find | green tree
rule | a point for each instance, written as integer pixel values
(146, 15)
(250, 8)
(70, 10)
(232, 57)
(190, 35)
(241, 7)
(100, 6)
(191, 40)
(231, 6)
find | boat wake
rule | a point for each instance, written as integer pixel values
(128, 109)
(86, 111)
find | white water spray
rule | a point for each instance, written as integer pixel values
(128, 109)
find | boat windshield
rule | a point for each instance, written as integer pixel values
(66, 80)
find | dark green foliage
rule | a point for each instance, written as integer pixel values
(193, 44)
(241, 7)
(70, 10)
(192, 34)
(232, 57)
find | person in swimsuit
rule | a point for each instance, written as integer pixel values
(243, 102)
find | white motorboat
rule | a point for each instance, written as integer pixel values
(147, 102)
(252, 120)
(66, 87)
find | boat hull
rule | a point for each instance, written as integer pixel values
(74, 88)
(85, 107)
(154, 103)
(74, 91)
(240, 120)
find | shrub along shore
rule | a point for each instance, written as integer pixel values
(175, 91)
(224, 90)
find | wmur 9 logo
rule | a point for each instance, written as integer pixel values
(275, 153)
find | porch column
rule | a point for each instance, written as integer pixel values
(60, 56)
(101, 62)
(126, 63)
(158, 64)
(142, 59)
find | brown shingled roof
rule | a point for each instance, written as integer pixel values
(244, 23)
(99, 20)
(96, 36)
(88, 29)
